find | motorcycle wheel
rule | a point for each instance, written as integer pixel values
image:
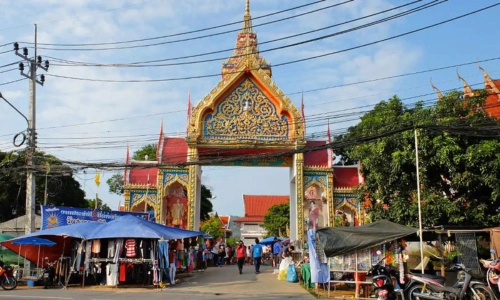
(9, 283)
(483, 293)
(417, 288)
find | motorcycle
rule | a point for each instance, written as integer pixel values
(466, 287)
(492, 273)
(7, 279)
(382, 279)
(49, 273)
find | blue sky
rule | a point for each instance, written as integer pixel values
(93, 121)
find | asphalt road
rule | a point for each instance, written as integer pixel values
(215, 283)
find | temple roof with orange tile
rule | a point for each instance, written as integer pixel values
(256, 206)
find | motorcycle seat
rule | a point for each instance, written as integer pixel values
(440, 279)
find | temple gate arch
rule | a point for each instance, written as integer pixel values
(244, 114)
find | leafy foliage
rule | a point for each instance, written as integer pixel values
(231, 242)
(213, 227)
(277, 219)
(459, 175)
(115, 184)
(62, 188)
(206, 203)
(149, 150)
(100, 204)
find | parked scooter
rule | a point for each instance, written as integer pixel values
(49, 273)
(466, 287)
(382, 281)
(7, 280)
(492, 273)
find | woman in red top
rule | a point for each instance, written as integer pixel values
(241, 253)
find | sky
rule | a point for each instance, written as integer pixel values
(92, 121)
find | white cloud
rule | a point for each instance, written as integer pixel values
(62, 101)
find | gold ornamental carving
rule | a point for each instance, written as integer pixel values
(126, 194)
(192, 197)
(299, 181)
(246, 113)
(196, 125)
(331, 204)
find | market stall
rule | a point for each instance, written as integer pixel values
(353, 250)
(127, 250)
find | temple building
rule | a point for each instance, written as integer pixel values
(492, 86)
(245, 120)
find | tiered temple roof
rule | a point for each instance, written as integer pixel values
(492, 86)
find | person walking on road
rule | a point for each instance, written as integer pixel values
(241, 252)
(257, 256)
(276, 252)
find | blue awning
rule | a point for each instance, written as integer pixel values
(133, 227)
(128, 226)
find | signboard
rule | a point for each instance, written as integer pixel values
(55, 216)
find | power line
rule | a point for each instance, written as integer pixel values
(70, 18)
(280, 64)
(180, 33)
(138, 64)
(293, 93)
(9, 82)
(198, 37)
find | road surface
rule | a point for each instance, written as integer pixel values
(214, 283)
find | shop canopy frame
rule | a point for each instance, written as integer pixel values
(336, 241)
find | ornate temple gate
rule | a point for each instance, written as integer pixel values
(244, 115)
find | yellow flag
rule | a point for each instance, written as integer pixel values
(47, 168)
(97, 178)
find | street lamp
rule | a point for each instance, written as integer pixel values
(27, 122)
(1, 96)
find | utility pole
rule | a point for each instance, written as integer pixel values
(421, 233)
(34, 64)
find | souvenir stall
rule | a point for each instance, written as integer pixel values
(130, 250)
(127, 250)
(61, 240)
(349, 252)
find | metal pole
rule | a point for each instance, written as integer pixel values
(421, 233)
(146, 200)
(45, 195)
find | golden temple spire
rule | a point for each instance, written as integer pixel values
(488, 82)
(467, 88)
(440, 95)
(247, 19)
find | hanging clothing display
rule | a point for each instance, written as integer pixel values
(118, 250)
(130, 246)
(163, 254)
(96, 246)
(112, 274)
(88, 253)
(111, 248)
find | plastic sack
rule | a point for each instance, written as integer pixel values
(285, 263)
(292, 274)
(282, 275)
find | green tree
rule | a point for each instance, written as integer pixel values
(100, 204)
(62, 188)
(277, 219)
(149, 150)
(206, 203)
(213, 227)
(231, 242)
(115, 184)
(459, 174)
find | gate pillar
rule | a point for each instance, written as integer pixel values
(194, 191)
(298, 217)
